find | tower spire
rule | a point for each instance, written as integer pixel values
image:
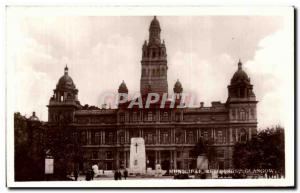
(154, 32)
(240, 65)
(66, 70)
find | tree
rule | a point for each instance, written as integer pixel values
(264, 151)
(29, 149)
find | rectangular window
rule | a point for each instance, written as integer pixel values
(122, 137)
(220, 153)
(122, 118)
(205, 136)
(94, 155)
(97, 138)
(164, 138)
(190, 137)
(109, 155)
(220, 137)
(83, 138)
(134, 117)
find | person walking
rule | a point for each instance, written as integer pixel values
(119, 175)
(116, 175)
(125, 174)
(75, 174)
(92, 174)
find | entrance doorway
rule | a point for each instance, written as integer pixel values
(150, 159)
(165, 160)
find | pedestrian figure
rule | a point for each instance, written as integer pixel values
(125, 174)
(92, 174)
(116, 175)
(119, 175)
(75, 175)
(87, 176)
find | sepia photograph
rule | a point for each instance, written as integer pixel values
(150, 97)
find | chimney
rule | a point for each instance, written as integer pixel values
(33, 113)
(201, 104)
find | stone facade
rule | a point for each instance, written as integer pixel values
(170, 134)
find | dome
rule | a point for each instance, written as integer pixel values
(178, 87)
(154, 23)
(66, 81)
(123, 88)
(240, 76)
(33, 117)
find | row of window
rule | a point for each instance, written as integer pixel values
(153, 72)
(242, 113)
(165, 137)
(149, 116)
(220, 153)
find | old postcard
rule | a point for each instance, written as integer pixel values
(150, 96)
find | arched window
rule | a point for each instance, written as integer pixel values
(243, 135)
(242, 114)
(122, 137)
(220, 137)
(190, 137)
(179, 137)
(165, 116)
(205, 136)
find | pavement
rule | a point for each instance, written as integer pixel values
(105, 177)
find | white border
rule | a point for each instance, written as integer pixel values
(142, 11)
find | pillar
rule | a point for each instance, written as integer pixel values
(117, 160)
(159, 157)
(250, 134)
(158, 135)
(175, 160)
(230, 135)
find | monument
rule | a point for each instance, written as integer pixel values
(137, 164)
(202, 162)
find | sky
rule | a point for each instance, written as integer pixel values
(101, 51)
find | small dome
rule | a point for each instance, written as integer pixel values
(33, 117)
(178, 87)
(240, 76)
(123, 88)
(66, 81)
(154, 23)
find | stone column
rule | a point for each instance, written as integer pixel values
(175, 161)
(230, 135)
(125, 159)
(158, 115)
(117, 160)
(250, 133)
(173, 137)
(159, 155)
(158, 135)
(103, 136)
(117, 135)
